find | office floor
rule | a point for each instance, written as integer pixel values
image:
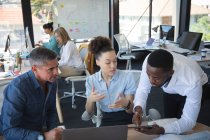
(72, 117)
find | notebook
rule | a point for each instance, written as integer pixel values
(118, 132)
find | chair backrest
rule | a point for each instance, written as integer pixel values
(190, 40)
(87, 57)
(123, 43)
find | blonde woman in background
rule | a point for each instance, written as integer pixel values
(70, 62)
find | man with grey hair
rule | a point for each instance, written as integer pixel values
(29, 107)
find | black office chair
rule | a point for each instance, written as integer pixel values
(190, 40)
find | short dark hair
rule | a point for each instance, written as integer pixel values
(100, 45)
(161, 59)
(40, 56)
(48, 26)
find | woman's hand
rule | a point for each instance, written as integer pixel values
(96, 96)
(121, 102)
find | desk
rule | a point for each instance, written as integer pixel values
(134, 135)
(172, 47)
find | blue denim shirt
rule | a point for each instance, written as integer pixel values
(121, 83)
(26, 108)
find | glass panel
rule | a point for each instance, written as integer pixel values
(133, 19)
(11, 23)
(200, 18)
(42, 12)
(165, 12)
(134, 14)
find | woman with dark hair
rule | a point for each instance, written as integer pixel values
(52, 44)
(113, 89)
(70, 62)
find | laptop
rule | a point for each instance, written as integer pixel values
(118, 132)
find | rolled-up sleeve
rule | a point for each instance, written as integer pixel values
(143, 89)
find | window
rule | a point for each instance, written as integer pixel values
(11, 23)
(164, 12)
(42, 12)
(200, 18)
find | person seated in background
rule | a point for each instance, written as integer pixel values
(29, 106)
(70, 62)
(52, 44)
(182, 79)
(113, 89)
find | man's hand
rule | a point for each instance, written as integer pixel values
(137, 119)
(54, 134)
(137, 116)
(151, 130)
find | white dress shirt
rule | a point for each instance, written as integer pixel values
(187, 80)
(70, 56)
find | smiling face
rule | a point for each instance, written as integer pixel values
(47, 72)
(158, 76)
(107, 61)
(58, 38)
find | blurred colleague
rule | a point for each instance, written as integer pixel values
(113, 89)
(29, 106)
(70, 62)
(182, 79)
(52, 44)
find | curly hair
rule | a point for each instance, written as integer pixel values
(99, 45)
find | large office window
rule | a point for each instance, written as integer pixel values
(200, 18)
(136, 13)
(42, 12)
(11, 23)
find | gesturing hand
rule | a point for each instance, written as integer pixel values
(96, 96)
(121, 102)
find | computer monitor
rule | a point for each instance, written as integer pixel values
(7, 45)
(167, 31)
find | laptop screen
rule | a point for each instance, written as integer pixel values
(118, 132)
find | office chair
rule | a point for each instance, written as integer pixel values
(125, 52)
(88, 59)
(153, 114)
(190, 40)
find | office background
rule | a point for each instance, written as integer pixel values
(134, 18)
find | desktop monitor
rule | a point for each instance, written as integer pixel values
(190, 40)
(7, 44)
(167, 31)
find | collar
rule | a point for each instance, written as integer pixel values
(114, 77)
(35, 81)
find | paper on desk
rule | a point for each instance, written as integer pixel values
(162, 122)
(203, 135)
